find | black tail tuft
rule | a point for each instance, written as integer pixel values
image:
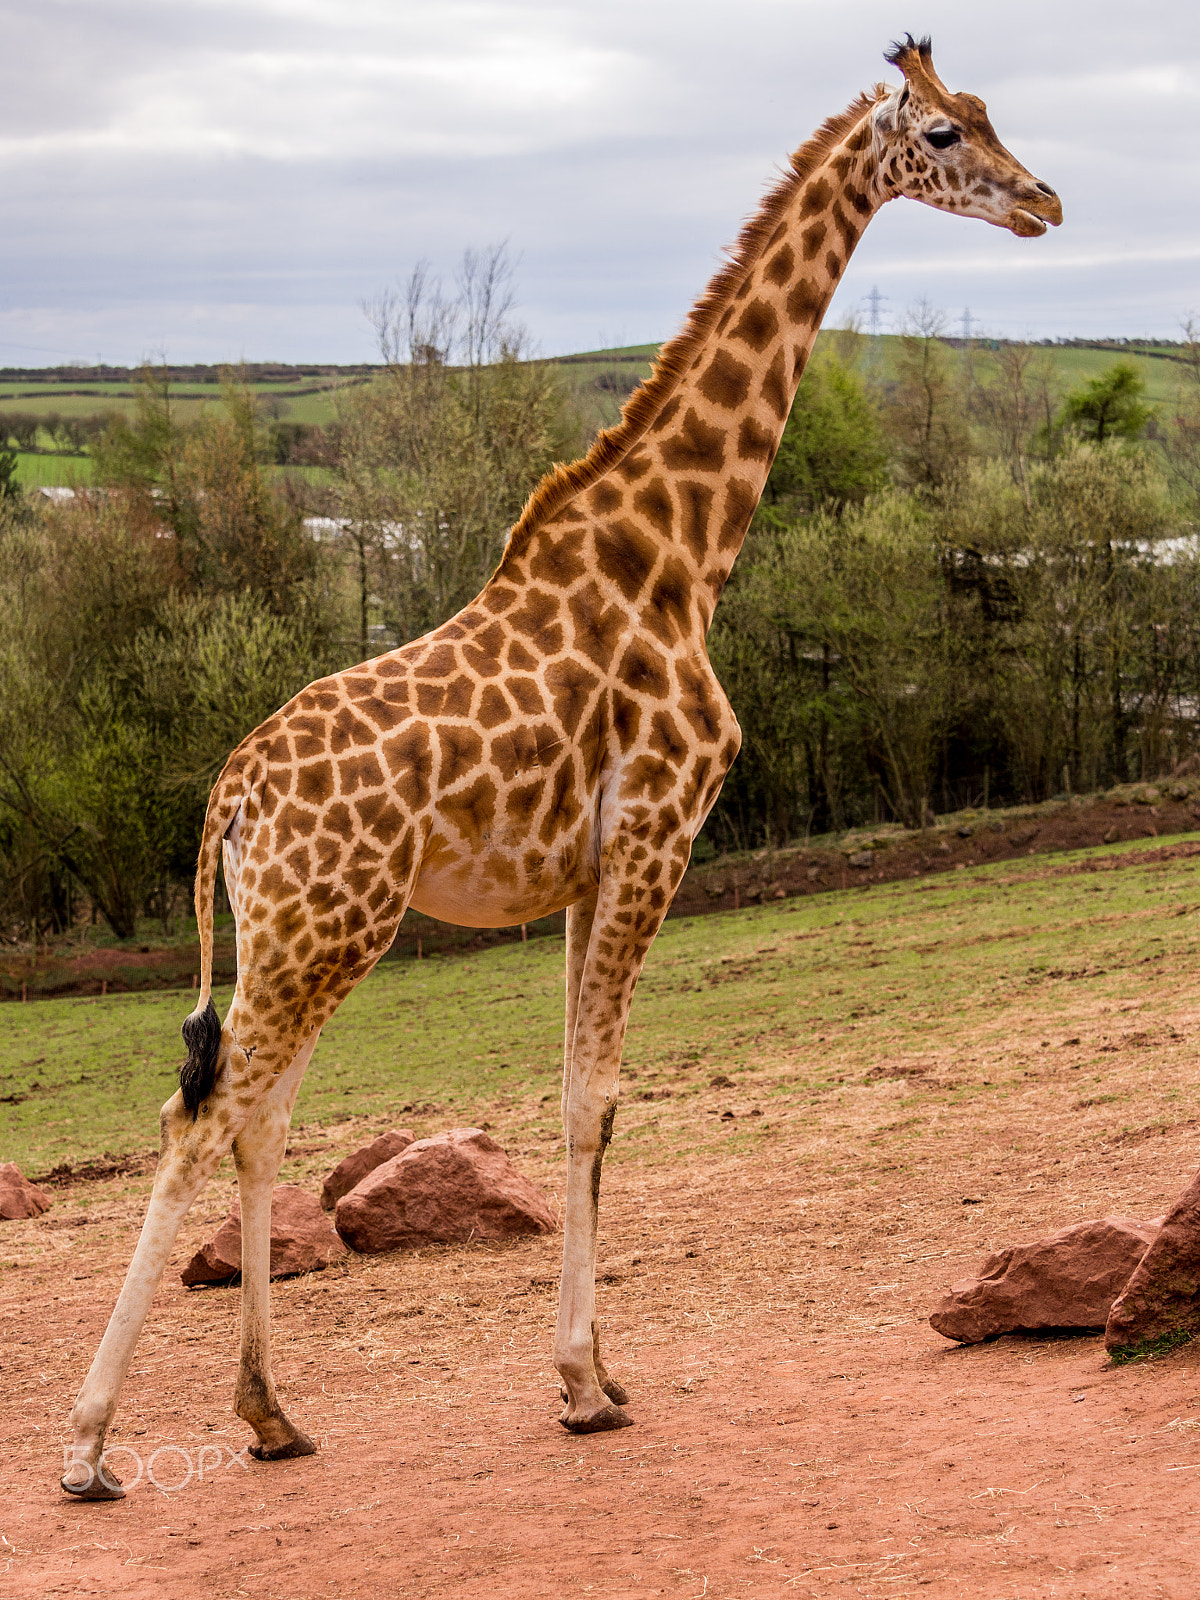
(202, 1035)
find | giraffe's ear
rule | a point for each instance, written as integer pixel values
(892, 113)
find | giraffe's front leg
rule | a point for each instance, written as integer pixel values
(605, 951)
(257, 1152)
(589, 1408)
(580, 918)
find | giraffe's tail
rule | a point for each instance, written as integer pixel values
(202, 1030)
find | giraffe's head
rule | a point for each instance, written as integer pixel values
(940, 148)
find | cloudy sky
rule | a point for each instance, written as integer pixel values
(220, 179)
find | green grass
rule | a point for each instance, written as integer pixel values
(191, 399)
(1147, 1349)
(53, 471)
(820, 987)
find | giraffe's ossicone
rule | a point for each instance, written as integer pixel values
(557, 743)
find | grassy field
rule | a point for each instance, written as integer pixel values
(912, 981)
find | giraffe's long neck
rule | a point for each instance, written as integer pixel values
(660, 505)
(719, 432)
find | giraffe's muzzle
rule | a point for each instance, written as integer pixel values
(1036, 211)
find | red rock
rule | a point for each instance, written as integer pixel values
(301, 1241)
(1162, 1298)
(18, 1197)
(349, 1173)
(1068, 1280)
(454, 1187)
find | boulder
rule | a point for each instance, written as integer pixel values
(454, 1187)
(1067, 1280)
(1162, 1297)
(348, 1174)
(301, 1241)
(18, 1197)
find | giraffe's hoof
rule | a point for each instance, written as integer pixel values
(602, 1422)
(99, 1485)
(300, 1445)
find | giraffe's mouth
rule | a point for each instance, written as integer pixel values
(1037, 211)
(1024, 224)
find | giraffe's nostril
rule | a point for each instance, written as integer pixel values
(1044, 188)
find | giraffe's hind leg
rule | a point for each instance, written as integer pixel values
(191, 1148)
(257, 1152)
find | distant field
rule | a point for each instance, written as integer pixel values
(52, 471)
(304, 401)
(601, 380)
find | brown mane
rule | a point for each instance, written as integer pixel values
(563, 482)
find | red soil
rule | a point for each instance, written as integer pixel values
(800, 1429)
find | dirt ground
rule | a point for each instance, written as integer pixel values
(799, 1427)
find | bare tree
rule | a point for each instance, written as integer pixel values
(486, 297)
(1017, 405)
(924, 409)
(438, 456)
(414, 322)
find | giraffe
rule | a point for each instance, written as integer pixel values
(558, 743)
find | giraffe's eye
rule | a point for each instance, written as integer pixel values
(943, 138)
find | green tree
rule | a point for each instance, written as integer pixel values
(208, 482)
(1110, 406)
(833, 450)
(10, 487)
(837, 650)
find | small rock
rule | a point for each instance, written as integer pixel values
(454, 1187)
(1179, 791)
(1162, 1297)
(18, 1197)
(813, 874)
(1068, 1280)
(996, 825)
(861, 858)
(1111, 836)
(354, 1168)
(943, 848)
(965, 831)
(301, 1241)
(1147, 796)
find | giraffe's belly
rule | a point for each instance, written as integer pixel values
(499, 883)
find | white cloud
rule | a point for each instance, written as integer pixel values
(219, 176)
